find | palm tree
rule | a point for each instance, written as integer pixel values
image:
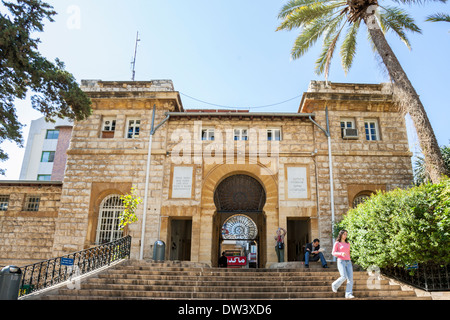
(335, 18)
(420, 174)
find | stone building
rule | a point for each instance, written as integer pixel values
(218, 180)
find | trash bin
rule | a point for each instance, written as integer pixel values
(159, 250)
(10, 277)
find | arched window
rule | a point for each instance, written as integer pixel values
(360, 198)
(108, 219)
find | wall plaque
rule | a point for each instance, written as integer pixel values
(182, 182)
(297, 182)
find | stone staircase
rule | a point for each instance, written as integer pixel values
(188, 281)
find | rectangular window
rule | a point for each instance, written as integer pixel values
(31, 203)
(133, 126)
(109, 124)
(4, 202)
(48, 156)
(372, 131)
(240, 134)
(44, 177)
(347, 123)
(208, 134)
(273, 134)
(52, 134)
(348, 129)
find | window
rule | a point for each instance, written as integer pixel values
(109, 124)
(52, 134)
(348, 129)
(273, 134)
(347, 124)
(133, 126)
(208, 134)
(44, 177)
(361, 198)
(48, 156)
(4, 202)
(240, 134)
(108, 219)
(371, 128)
(31, 203)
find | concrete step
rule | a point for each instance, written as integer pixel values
(239, 295)
(148, 280)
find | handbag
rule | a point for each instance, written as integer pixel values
(280, 245)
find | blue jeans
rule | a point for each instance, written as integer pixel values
(315, 258)
(346, 271)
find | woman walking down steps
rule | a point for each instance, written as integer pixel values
(341, 250)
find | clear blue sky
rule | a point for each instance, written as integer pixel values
(226, 53)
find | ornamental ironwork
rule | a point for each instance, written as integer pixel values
(240, 193)
(239, 227)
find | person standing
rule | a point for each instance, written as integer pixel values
(341, 250)
(279, 248)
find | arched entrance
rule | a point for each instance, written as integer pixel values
(239, 219)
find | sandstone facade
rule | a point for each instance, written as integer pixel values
(187, 166)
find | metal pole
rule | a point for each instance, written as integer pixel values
(330, 165)
(147, 177)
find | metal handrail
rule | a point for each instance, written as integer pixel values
(425, 276)
(50, 272)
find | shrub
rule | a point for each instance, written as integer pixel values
(401, 227)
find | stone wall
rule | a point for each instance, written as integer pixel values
(98, 166)
(27, 236)
(358, 165)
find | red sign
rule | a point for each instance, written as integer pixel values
(237, 261)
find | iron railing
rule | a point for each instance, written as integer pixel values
(50, 272)
(428, 277)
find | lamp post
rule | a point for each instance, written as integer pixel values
(147, 178)
(330, 165)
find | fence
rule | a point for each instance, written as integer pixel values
(429, 277)
(50, 272)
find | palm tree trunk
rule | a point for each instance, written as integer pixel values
(410, 103)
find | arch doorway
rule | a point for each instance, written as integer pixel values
(239, 221)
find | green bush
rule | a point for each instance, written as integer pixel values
(401, 227)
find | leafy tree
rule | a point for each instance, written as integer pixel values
(23, 68)
(130, 203)
(401, 227)
(336, 19)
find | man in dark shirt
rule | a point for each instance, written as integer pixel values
(223, 262)
(313, 253)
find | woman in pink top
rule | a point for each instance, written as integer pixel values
(341, 251)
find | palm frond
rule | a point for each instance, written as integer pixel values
(304, 14)
(398, 21)
(348, 48)
(418, 1)
(308, 37)
(293, 5)
(439, 17)
(331, 35)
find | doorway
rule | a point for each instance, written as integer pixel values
(239, 222)
(298, 233)
(180, 239)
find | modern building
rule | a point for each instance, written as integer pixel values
(210, 180)
(45, 151)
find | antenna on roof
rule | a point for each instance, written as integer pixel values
(133, 63)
